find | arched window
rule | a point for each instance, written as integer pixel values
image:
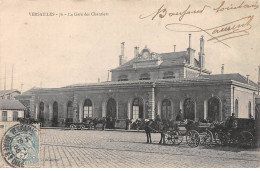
(213, 109)
(166, 109)
(168, 74)
(122, 78)
(69, 110)
(236, 108)
(144, 76)
(249, 110)
(137, 108)
(189, 109)
(111, 108)
(87, 109)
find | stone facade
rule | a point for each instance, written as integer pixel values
(148, 85)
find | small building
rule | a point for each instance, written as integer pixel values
(11, 110)
(9, 94)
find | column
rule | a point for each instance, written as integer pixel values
(104, 109)
(51, 112)
(46, 112)
(129, 110)
(181, 107)
(159, 106)
(205, 109)
(75, 108)
(81, 112)
(117, 110)
(153, 102)
(36, 114)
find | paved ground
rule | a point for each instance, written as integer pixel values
(88, 148)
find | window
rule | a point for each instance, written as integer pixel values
(87, 109)
(4, 116)
(123, 78)
(135, 112)
(168, 74)
(137, 108)
(70, 110)
(15, 116)
(144, 76)
(166, 109)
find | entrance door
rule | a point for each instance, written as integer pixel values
(189, 109)
(111, 113)
(213, 109)
(111, 108)
(55, 114)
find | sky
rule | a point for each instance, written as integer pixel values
(56, 51)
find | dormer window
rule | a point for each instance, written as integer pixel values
(168, 74)
(144, 76)
(123, 78)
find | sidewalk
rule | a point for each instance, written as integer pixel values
(120, 130)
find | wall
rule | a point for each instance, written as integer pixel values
(243, 96)
(10, 114)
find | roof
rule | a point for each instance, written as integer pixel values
(11, 105)
(234, 76)
(5, 92)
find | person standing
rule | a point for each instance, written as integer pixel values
(179, 116)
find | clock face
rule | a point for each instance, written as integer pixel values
(146, 55)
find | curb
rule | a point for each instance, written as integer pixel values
(119, 130)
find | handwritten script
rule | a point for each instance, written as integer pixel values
(218, 34)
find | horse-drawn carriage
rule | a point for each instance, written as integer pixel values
(237, 131)
(195, 133)
(87, 123)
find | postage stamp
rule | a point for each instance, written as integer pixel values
(21, 145)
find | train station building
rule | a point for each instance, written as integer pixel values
(150, 84)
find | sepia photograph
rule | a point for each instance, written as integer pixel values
(129, 84)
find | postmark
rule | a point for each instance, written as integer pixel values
(21, 146)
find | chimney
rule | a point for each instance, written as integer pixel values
(190, 52)
(98, 80)
(122, 48)
(201, 54)
(189, 41)
(122, 58)
(174, 47)
(222, 69)
(247, 79)
(136, 51)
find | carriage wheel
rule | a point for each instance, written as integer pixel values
(193, 138)
(246, 139)
(82, 126)
(72, 127)
(177, 137)
(91, 125)
(221, 138)
(169, 139)
(207, 138)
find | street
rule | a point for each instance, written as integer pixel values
(89, 148)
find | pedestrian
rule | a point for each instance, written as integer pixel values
(179, 116)
(147, 129)
(127, 122)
